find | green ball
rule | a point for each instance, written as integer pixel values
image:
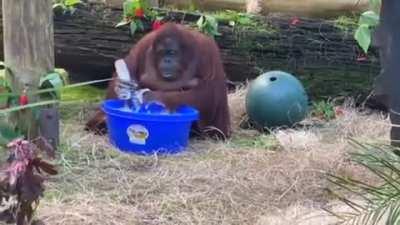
(276, 99)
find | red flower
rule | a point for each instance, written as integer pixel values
(23, 99)
(295, 21)
(139, 12)
(156, 24)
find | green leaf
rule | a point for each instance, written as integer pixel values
(160, 17)
(133, 28)
(129, 8)
(5, 88)
(212, 21)
(140, 25)
(52, 80)
(59, 5)
(369, 18)
(4, 82)
(200, 22)
(59, 9)
(208, 24)
(363, 37)
(72, 2)
(244, 20)
(4, 99)
(63, 74)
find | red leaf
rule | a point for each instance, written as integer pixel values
(15, 143)
(46, 167)
(31, 187)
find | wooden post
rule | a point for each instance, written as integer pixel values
(29, 54)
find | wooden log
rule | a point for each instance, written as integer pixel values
(310, 8)
(326, 58)
(207, 5)
(315, 8)
(28, 51)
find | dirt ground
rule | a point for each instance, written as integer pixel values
(253, 179)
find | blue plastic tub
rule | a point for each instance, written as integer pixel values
(148, 133)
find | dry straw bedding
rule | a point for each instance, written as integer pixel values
(253, 179)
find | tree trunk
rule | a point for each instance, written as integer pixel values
(388, 39)
(28, 50)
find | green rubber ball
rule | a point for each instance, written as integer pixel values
(276, 99)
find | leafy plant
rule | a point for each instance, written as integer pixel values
(49, 93)
(234, 18)
(367, 22)
(21, 102)
(65, 6)
(135, 14)
(379, 204)
(208, 25)
(22, 179)
(324, 110)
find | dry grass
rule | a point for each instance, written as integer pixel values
(238, 106)
(275, 179)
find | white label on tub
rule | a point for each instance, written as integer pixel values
(137, 134)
